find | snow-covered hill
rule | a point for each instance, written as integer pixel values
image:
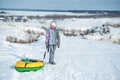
(76, 59)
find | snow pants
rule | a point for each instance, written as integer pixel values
(52, 52)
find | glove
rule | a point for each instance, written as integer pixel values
(58, 45)
(47, 47)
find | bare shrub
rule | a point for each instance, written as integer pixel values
(11, 39)
(69, 33)
(112, 24)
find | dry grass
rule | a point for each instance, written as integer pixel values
(115, 40)
(33, 36)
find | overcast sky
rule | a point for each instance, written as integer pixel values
(62, 4)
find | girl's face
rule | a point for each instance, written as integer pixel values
(53, 25)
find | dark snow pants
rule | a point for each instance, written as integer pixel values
(52, 52)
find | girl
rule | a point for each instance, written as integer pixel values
(52, 40)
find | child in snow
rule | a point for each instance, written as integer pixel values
(52, 40)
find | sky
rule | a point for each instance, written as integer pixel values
(62, 4)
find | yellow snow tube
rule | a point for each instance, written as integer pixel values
(29, 65)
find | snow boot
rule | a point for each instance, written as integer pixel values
(53, 63)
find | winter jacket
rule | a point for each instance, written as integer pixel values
(52, 37)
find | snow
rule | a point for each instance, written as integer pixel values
(76, 59)
(41, 13)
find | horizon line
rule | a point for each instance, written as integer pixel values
(55, 10)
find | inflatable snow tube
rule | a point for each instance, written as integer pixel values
(26, 65)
